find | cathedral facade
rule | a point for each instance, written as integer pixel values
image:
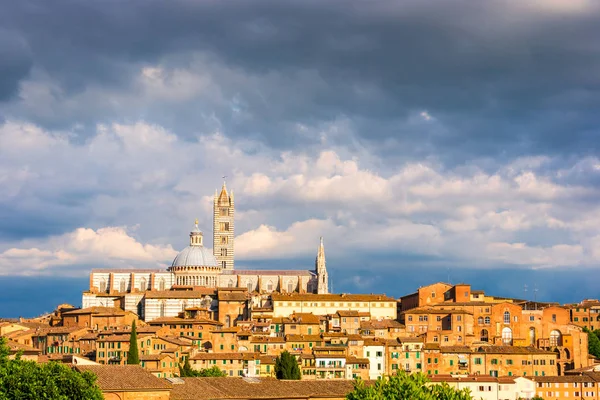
(199, 269)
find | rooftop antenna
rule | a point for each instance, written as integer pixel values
(535, 290)
(525, 295)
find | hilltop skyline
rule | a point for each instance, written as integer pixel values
(420, 140)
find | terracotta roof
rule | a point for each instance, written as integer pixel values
(187, 321)
(301, 318)
(259, 388)
(270, 272)
(223, 356)
(232, 296)
(455, 349)
(177, 340)
(563, 378)
(267, 339)
(115, 338)
(468, 378)
(15, 347)
(233, 329)
(97, 310)
(330, 297)
(510, 350)
(355, 360)
(383, 324)
(303, 338)
(347, 313)
(180, 294)
(124, 377)
(154, 357)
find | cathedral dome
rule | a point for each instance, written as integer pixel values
(195, 256)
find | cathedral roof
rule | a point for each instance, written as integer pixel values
(195, 256)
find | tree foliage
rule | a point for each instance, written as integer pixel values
(405, 386)
(593, 343)
(187, 371)
(20, 379)
(133, 356)
(286, 366)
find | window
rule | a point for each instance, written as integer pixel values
(270, 286)
(507, 336)
(223, 252)
(410, 318)
(290, 288)
(487, 320)
(161, 286)
(531, 318)
(143, 284)
(224, 212)
(553, 317)
(224, 264)
(432, 295)
(480, 320)
(122, 285)
(458, 317)
(484, 335)
(224, 240)
(506, 317)
(555, 338)
(102, 285)
(224, 226)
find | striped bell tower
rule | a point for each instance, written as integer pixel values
(223, 233)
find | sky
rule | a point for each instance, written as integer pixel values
(424, 140)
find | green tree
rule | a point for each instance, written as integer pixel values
(593, 343)
(187, 371)
(133, 356)
(286, 366)
(20, 379)
(405, 386)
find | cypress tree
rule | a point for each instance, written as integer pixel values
(286, 366)
(133, 356)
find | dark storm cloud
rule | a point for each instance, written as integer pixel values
(498, 79)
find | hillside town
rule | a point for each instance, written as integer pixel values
(204, 311)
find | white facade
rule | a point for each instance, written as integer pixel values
(376, 356)
(156, 307)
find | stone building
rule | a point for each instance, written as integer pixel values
(153, 293)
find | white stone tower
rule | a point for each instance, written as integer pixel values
(223, 233)
(321, 270)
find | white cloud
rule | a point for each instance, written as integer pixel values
(105, 247)
(143, 176)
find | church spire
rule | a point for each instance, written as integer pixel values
(321, 270)
(223, 227)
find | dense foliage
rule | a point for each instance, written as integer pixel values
(286, 366)
(20, 379)
(133, 356)
(187, 371)
(593, 342)
(405, 386)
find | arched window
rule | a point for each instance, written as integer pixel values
(162, 309)
(484, 335)
(227, 321)
(290, 287)
(230, 284)
(122, 285)
(102, 285)
(480, 320)
(532, 336)
(567, 354)
(506, 317)
(507, 336)
(161, 284)
(555, 338)
(270, 286)
(143, 284)
(460, 338)
(183, 305)
(487, 320)
(250, 286)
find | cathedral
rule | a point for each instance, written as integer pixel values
(197, 269)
